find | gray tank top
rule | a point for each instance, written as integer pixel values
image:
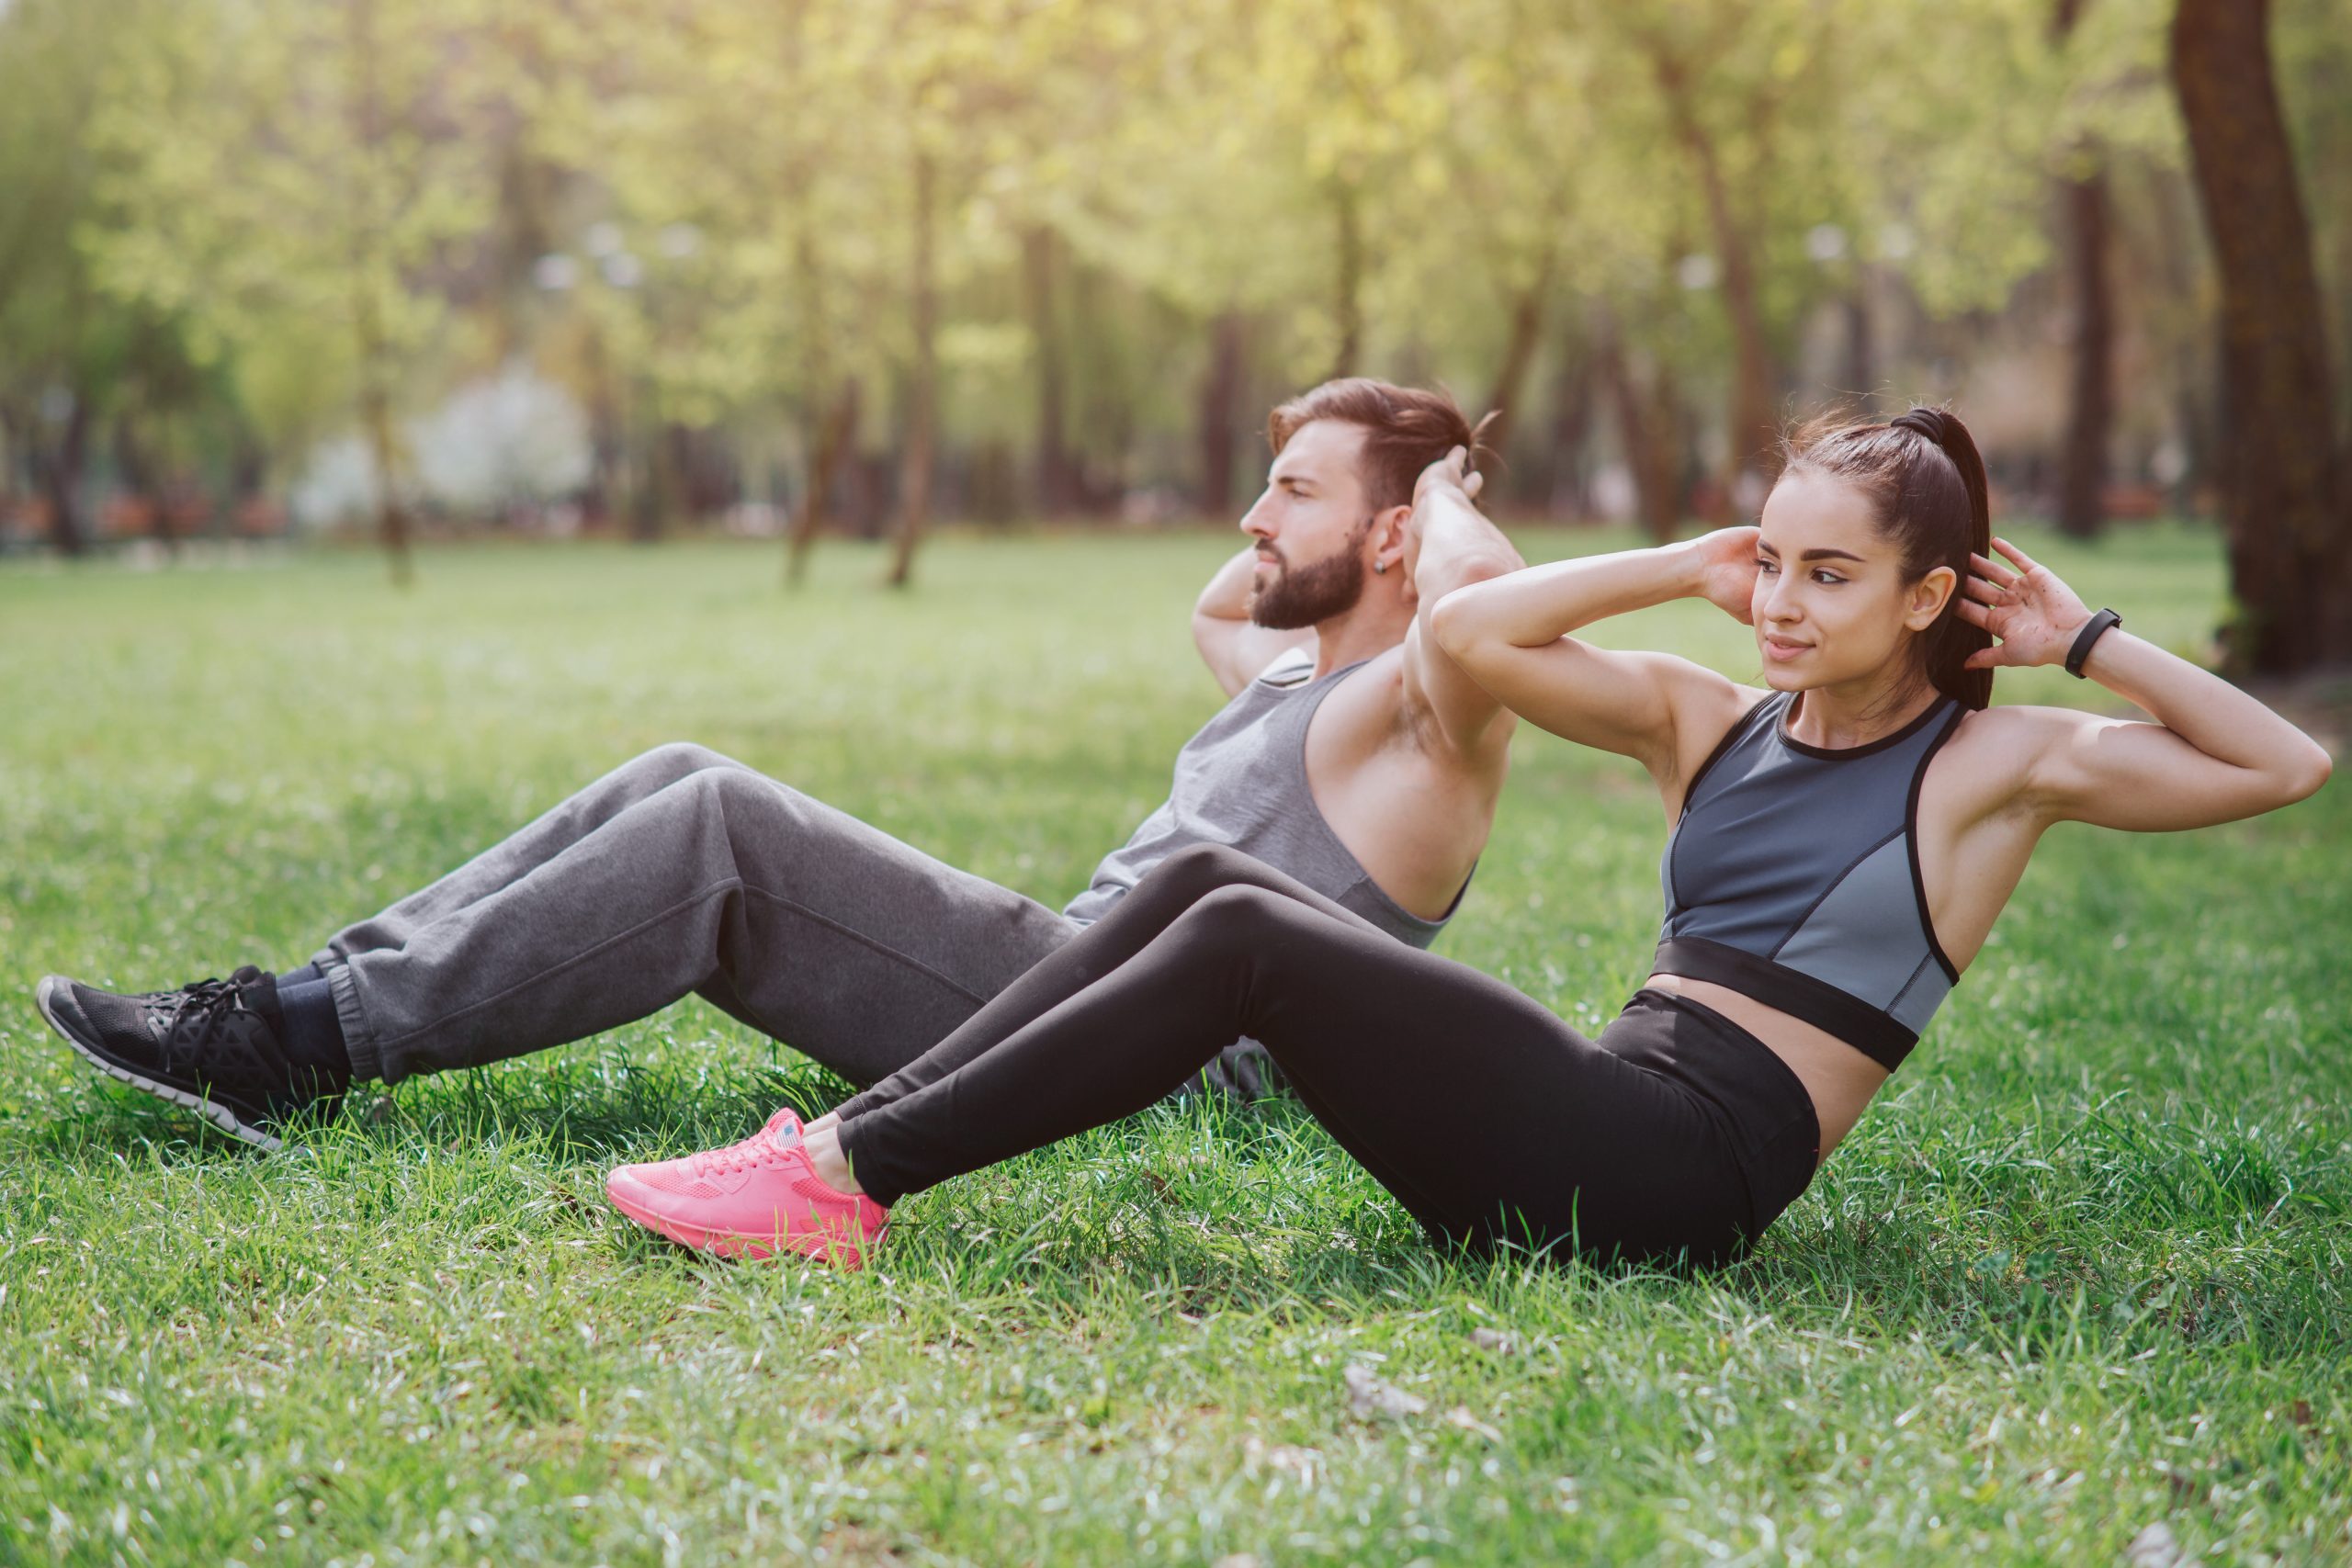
(1792, 876)
(1242, 782)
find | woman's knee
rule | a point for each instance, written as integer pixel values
(1198, 870)
(1242, 916)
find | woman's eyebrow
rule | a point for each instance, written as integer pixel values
(1829, 555)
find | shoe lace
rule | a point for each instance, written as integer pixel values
(194, 1015)
(758, 1149)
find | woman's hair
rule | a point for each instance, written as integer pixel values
(1926, 487)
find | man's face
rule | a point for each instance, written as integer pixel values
(1310, 525)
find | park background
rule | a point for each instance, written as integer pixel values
(408, 412)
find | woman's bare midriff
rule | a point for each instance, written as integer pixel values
(1839, 1078)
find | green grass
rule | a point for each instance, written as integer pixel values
(2082, 1270)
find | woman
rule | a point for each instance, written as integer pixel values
(1841, 844)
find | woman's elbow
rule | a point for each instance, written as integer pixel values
(2310, 771)
(1454, 622)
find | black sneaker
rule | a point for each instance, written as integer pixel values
(208, 1046)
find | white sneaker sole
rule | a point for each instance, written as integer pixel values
(219, 1115)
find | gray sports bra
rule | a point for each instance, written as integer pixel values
(1792, 876)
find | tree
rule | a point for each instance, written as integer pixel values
(722, 251)
(2090, 401)
(1522, 90)
(2282, 501)
(52, 53)
(299, 169)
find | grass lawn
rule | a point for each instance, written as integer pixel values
(2083, 1270)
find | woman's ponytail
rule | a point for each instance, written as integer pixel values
(1952, 638)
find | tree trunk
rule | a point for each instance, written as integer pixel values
(1221, 413)
(1055, 494)
(649, 469)
(1861, 347)
(2090, 404)
(2282, 505)
(248, 475)
(369, 314)
(391, 517)
(2179, 266)
(826, 424)
(137, 479)
(684, 493)
(914, 474)
(1571, 420)
(829, 438)
(1519, 354)
(59, 470)
(1648, 448)
(2090, 410)
(1754, 433)
(1347, 297)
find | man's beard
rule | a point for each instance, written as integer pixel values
(1305, 596)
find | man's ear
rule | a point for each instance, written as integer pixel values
(1391, 537)
(1926, 600)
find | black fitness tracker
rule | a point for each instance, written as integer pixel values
(2091, 632)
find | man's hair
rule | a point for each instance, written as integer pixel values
(1405, 430)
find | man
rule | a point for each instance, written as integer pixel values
(1353, 755)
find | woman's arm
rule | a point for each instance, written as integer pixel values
(2213, 754)
(1449, 544)
(1511, 634)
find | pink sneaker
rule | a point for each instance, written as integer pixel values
(753, 1200)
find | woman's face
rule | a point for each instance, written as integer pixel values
(1830, 604)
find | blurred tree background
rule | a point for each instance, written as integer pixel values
(790, 267)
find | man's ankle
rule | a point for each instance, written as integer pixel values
(310, 1029)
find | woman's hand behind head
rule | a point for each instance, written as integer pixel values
(2033, 617)
(1728, 572)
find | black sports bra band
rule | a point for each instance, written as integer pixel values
(1816, 1002)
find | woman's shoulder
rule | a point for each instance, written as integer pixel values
(1990, 758)
(2012, 725)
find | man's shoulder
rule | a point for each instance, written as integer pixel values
(1368, 703)
(1375, 709)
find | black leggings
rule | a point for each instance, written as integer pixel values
(1676, 1136)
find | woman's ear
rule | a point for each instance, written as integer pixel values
(1926, 598)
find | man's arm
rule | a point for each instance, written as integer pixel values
(1454, 545)
(1234, 648)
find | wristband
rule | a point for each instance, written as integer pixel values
(2091, 631)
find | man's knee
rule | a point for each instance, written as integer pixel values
(677, 759)
(734, 789)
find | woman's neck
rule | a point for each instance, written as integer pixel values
(1855, 713)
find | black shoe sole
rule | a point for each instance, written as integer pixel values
(212, 1110)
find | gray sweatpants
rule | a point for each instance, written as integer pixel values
(684, 871)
